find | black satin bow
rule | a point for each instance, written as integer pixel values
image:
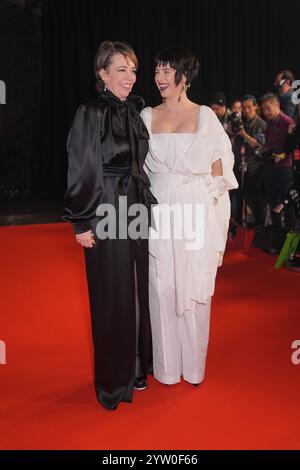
(126, 108)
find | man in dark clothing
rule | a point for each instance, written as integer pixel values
(253, 134)
(219, 106)
(278, 171)
(283, 86)
(251, 137)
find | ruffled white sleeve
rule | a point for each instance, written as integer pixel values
(219, 147)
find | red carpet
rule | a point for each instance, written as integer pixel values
(249, 400)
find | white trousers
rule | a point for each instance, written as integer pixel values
(179, 342)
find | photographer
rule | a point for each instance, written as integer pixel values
(283, 86)
(292, 141)
(219, 106)
(278, 171)
(236, 106)
(236, 195)
(292, 196)
(249, 131)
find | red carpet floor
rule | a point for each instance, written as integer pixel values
(250, 398)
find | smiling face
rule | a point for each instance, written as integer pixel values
(165, 81)
(119, 76)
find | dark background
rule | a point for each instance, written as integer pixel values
(241, 45)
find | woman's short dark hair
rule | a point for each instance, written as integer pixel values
(182, 60)
(104, 56)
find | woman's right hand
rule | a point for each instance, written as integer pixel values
(86, 239)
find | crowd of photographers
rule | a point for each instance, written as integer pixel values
(265, 138)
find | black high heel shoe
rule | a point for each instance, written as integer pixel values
(140, 383)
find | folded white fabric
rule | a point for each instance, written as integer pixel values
(216, 185)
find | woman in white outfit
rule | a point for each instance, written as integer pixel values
(189, 162)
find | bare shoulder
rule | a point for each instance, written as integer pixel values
(195, 106)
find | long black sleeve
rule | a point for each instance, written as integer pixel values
(84, 182)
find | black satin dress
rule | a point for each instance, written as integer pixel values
(107, 146)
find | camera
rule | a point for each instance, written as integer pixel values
(261, 153)
(268, 155)
(236, 122)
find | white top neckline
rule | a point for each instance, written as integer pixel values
(175, 133)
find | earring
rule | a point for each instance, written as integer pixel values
(105, 87)
(183, 88)
(179, 97)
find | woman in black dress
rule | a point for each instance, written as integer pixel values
(107, 146)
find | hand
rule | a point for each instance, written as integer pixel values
(216, 185)
(277, 209)
(86, 239)
(291, 128)
(278, 157)
(242, 133)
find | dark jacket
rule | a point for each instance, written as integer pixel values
(256, 128)
(107, 146)
(286, 104)
(292, 141)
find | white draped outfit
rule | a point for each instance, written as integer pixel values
(182, 280)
